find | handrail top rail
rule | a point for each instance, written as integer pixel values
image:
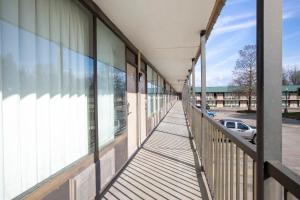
(286, 177)
(246, 146)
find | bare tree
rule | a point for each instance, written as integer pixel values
(285, 79)
(244, 74)
(293, 76)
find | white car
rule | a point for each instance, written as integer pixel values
(246, 131)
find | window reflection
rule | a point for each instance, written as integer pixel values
(45, 80)
(120, 101)
(111, 81)
(150, 91)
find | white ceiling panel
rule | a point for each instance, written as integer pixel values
(167, 32)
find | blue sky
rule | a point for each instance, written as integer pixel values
(235, 28)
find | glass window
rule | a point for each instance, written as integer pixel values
(161, 92)
(111, 81)
(242, 126)
(46, 75)
(168, 92)
(230, 124)
(159, 103)
(154, 95)
(149, 91)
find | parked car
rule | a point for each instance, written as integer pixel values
(241, 128)
(207, 106)
(211, 113)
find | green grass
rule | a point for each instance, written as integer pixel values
(292, 115)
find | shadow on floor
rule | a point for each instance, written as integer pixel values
(166, 167)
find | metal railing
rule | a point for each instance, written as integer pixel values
(229, 161)
(285, 177)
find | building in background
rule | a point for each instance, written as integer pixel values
(230, 96)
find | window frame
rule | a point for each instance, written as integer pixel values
(240, 123)
(230, 123)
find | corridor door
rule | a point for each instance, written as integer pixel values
(132, 108)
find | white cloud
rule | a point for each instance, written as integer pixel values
(231, 23)
(219, 74)
(235, 27)
(291, 35)
(229, 62)
(225, 20)
(233, 2)
(289, 14)
(215, 49)
(291, 9)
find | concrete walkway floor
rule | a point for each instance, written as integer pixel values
(164, 168)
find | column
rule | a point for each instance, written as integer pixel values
(269, 72)
(203, 69)
(194, 80)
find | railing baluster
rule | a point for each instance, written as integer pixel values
(222, 166)
(254, 180)
(226, 169)
(218, 166)
(245, 176)
(200, 139)
(212, 156)
(199, 135)
(237, 175)
(203, 144)
(206, 145)
(209, 155)
(215, 161)
(285, 194)
(290, 196)
(231, 170)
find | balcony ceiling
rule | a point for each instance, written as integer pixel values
(167, 32)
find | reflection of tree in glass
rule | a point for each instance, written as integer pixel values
(120, 99)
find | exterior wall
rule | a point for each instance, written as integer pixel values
(293, 96)
(231, 103)
(220, 96)
(232, 99)
(293, 104)
(243, 97)
(220, 104)
(243, 104)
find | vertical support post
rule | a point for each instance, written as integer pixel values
(269, 72)
(139, 101)
(188, 88)
(95, 91)
(194, 80)
(203, 70)
(203, 87)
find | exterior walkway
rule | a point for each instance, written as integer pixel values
(164, 168)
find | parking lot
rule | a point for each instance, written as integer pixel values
(290, 136)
